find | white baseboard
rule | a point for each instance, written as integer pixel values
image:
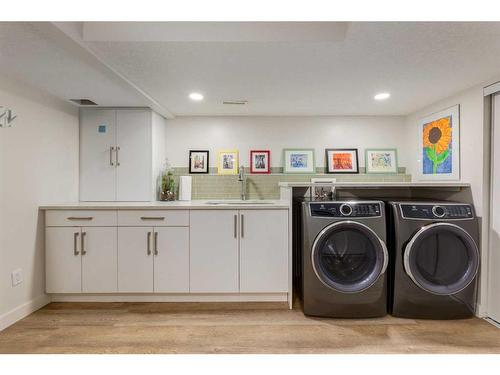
(494, 322)
(191, 297)
(22, 311)
(481, 311)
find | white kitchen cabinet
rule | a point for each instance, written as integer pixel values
(171, 259)
(63, 260)
(121, 151)
(81, 259)
(135, 259)
(263, 251)
(99, 259)
(214, 251)
(153, 259)
(97, 164)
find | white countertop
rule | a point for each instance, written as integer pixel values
(212, 204)
(361, 185)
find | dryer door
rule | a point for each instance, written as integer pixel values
(348, 256)
(442, 259)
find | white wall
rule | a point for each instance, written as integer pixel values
(276, 133)
(38, 164)
(474, 150)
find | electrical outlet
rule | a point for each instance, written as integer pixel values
(17, 277)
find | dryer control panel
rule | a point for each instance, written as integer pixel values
(346, 209)
(444, 211)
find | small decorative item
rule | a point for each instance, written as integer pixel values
(439, 151)
(167, 187)
(342, 160)
(296, 160)
(198, 161)
(227, 162)
(260, 161)
(382, 160)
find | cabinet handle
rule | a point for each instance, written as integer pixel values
(242, 226)
(117, 155)
(149, 244)
(83, 243)
(156, 243)
(111, 149)
(152, 218)
(235, 226)
(80, 218)
(75, 243)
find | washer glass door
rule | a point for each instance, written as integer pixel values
(442, 259)
(348, 256)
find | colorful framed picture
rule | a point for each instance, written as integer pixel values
(227, 162)
(198, 161)
(439, 151)
(341, 160)
(299, 160)
(381, 160)
(260, 161)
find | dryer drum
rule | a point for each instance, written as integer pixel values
(442, 259)
(348, 257)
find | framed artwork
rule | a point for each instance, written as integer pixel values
(198, 161)
(260, 161)
(341, 160)
(227, 162)
(381, 160)
(299, 160)
(439, 151)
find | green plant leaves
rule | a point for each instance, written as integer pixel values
(431, 154)
(442, 156)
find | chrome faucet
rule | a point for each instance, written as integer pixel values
(241, 178)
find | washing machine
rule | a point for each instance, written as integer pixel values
(434, 260)
(344, 259)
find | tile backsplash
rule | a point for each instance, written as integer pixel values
(214, 186)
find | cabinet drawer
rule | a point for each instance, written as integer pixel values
(79, 218)
(156, 218)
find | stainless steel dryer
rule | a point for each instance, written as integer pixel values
(344, 259)
(435, 260)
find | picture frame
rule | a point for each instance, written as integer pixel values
(199, 161)
(260, 161)
(381, 160)
(299, 160)
(227, 162)
(439, 146)
(341, 160)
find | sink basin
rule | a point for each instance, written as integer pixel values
(238, 202)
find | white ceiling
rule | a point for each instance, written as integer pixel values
(280, 73)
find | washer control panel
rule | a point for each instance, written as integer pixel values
(436, 211)
(346, 209)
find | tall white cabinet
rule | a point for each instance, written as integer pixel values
(121, 154)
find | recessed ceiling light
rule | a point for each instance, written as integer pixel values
(382, 96)
(196, 96)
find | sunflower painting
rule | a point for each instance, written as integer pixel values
(440, 149)
(437, 146)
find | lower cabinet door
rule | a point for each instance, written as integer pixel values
(135, 259)
(99, 259)
(263, 251)
(171, 259)
(214, 251)
(63, 261)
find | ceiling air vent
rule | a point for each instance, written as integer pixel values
(235, 102)
(83, 101)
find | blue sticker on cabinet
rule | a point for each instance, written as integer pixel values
(101, 129)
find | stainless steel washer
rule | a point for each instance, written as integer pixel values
(344, 259)
(436, 258)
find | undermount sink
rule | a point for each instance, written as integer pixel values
(238, 202)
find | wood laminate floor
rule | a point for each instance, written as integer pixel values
(233, 328)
